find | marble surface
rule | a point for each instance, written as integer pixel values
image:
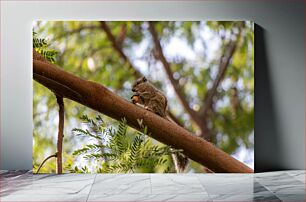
(120, 184)
(178, 184)
(287, 186)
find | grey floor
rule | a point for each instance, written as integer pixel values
(272, 186)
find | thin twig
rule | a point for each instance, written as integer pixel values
(46, 159)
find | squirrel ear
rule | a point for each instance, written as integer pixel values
(144, 79)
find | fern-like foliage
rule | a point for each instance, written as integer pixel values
(120, 150)
(41, 46)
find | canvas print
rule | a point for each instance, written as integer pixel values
(143, 96)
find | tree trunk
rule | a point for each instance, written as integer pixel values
(60, 136)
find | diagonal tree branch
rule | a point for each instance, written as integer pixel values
(209, 97)
(223, 66)
(211, 93)
(118, 48)
(160, 56)
(99, 98)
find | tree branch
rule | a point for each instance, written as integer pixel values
(60, 136)
(118, 48)
(223, 65)
(209, 97)
(101, 99)
(44, 161)
(160, 56)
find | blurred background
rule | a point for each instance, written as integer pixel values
(205, 68)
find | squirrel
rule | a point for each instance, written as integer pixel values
(150, 97)
(154, 100)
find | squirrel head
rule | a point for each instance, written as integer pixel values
(138, 82)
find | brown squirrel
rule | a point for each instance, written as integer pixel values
(154, 100)
(149, 96)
